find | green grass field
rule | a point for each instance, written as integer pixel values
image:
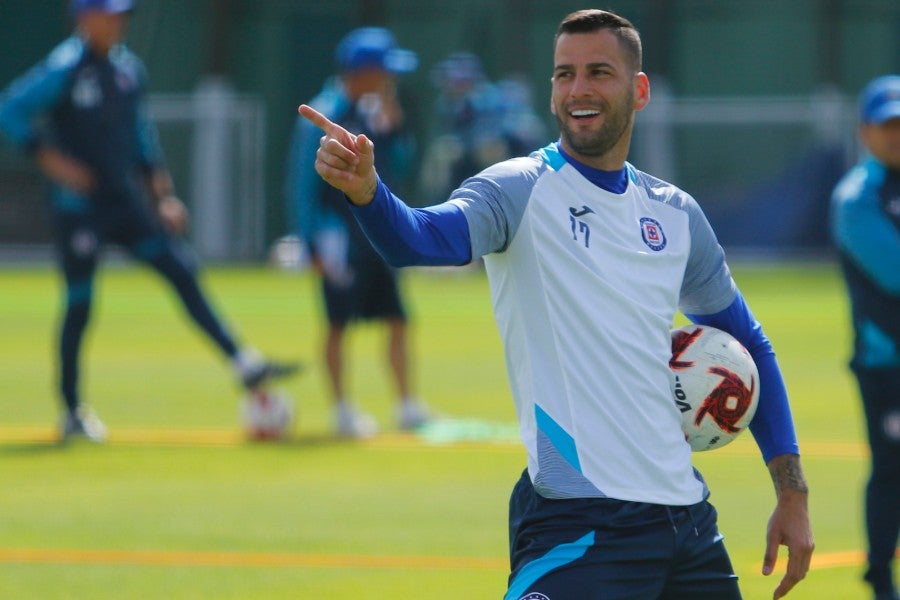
(178, 505)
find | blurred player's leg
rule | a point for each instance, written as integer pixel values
(78, 245)
(882, 408)
(178, 268)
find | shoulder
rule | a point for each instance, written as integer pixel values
(128, 62)
(527, 169)
(45, 80)
(66, 55)
(505, 186)
(662, 191)
(853, 186)
(513, 178)
(519, 168)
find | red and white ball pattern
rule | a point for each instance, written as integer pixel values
(715, 385)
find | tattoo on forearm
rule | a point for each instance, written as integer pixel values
(788, 475)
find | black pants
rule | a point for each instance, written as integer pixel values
(880, 391)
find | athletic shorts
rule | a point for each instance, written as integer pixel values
(605, 549)
(372, 292)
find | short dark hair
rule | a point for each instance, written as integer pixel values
(593, 19)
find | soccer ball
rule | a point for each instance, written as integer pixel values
(715, 385)
(267, 414)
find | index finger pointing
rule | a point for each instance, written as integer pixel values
(315, 117)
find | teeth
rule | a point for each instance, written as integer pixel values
(584, 113)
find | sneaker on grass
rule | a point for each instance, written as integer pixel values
(255, 371)
(352, 423)
(83, 423)
(412, 414)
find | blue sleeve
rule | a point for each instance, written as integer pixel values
(28, 97)
(405, 236)
(773, 424)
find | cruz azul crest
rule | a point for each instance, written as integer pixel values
(653, 234)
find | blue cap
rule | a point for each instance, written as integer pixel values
(880, 100)
(374, 47)
(109, 6)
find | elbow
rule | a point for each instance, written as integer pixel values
(402, 256)
(399, 259)
(397, 262)
(395, 256)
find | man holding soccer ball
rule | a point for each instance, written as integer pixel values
(588, 260)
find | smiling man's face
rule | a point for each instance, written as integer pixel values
(594, 96)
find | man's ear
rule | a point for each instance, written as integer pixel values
(641, 90)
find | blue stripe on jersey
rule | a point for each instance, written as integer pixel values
(631, 173)
(555, 558)
(773, 425)
(550, 155)
(561, 440)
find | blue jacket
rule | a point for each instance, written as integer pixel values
(865, 222)
(91, 108)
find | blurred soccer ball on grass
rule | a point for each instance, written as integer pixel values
(267, 414)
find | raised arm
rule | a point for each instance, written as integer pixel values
(404, 236)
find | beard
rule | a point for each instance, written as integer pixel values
(616, 119)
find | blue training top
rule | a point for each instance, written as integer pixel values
(865, 222)
(90, 107)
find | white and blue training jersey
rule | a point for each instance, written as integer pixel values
(585, 284)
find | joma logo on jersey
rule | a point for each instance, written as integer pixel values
(580, 227)
(652, 233)
(580, 212)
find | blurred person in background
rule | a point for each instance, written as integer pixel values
(522, 129)
(476, 123)
(356, 282)
(81, 114)
(589, 260)
(865, 220)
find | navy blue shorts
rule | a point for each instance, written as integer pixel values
(605, 549)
